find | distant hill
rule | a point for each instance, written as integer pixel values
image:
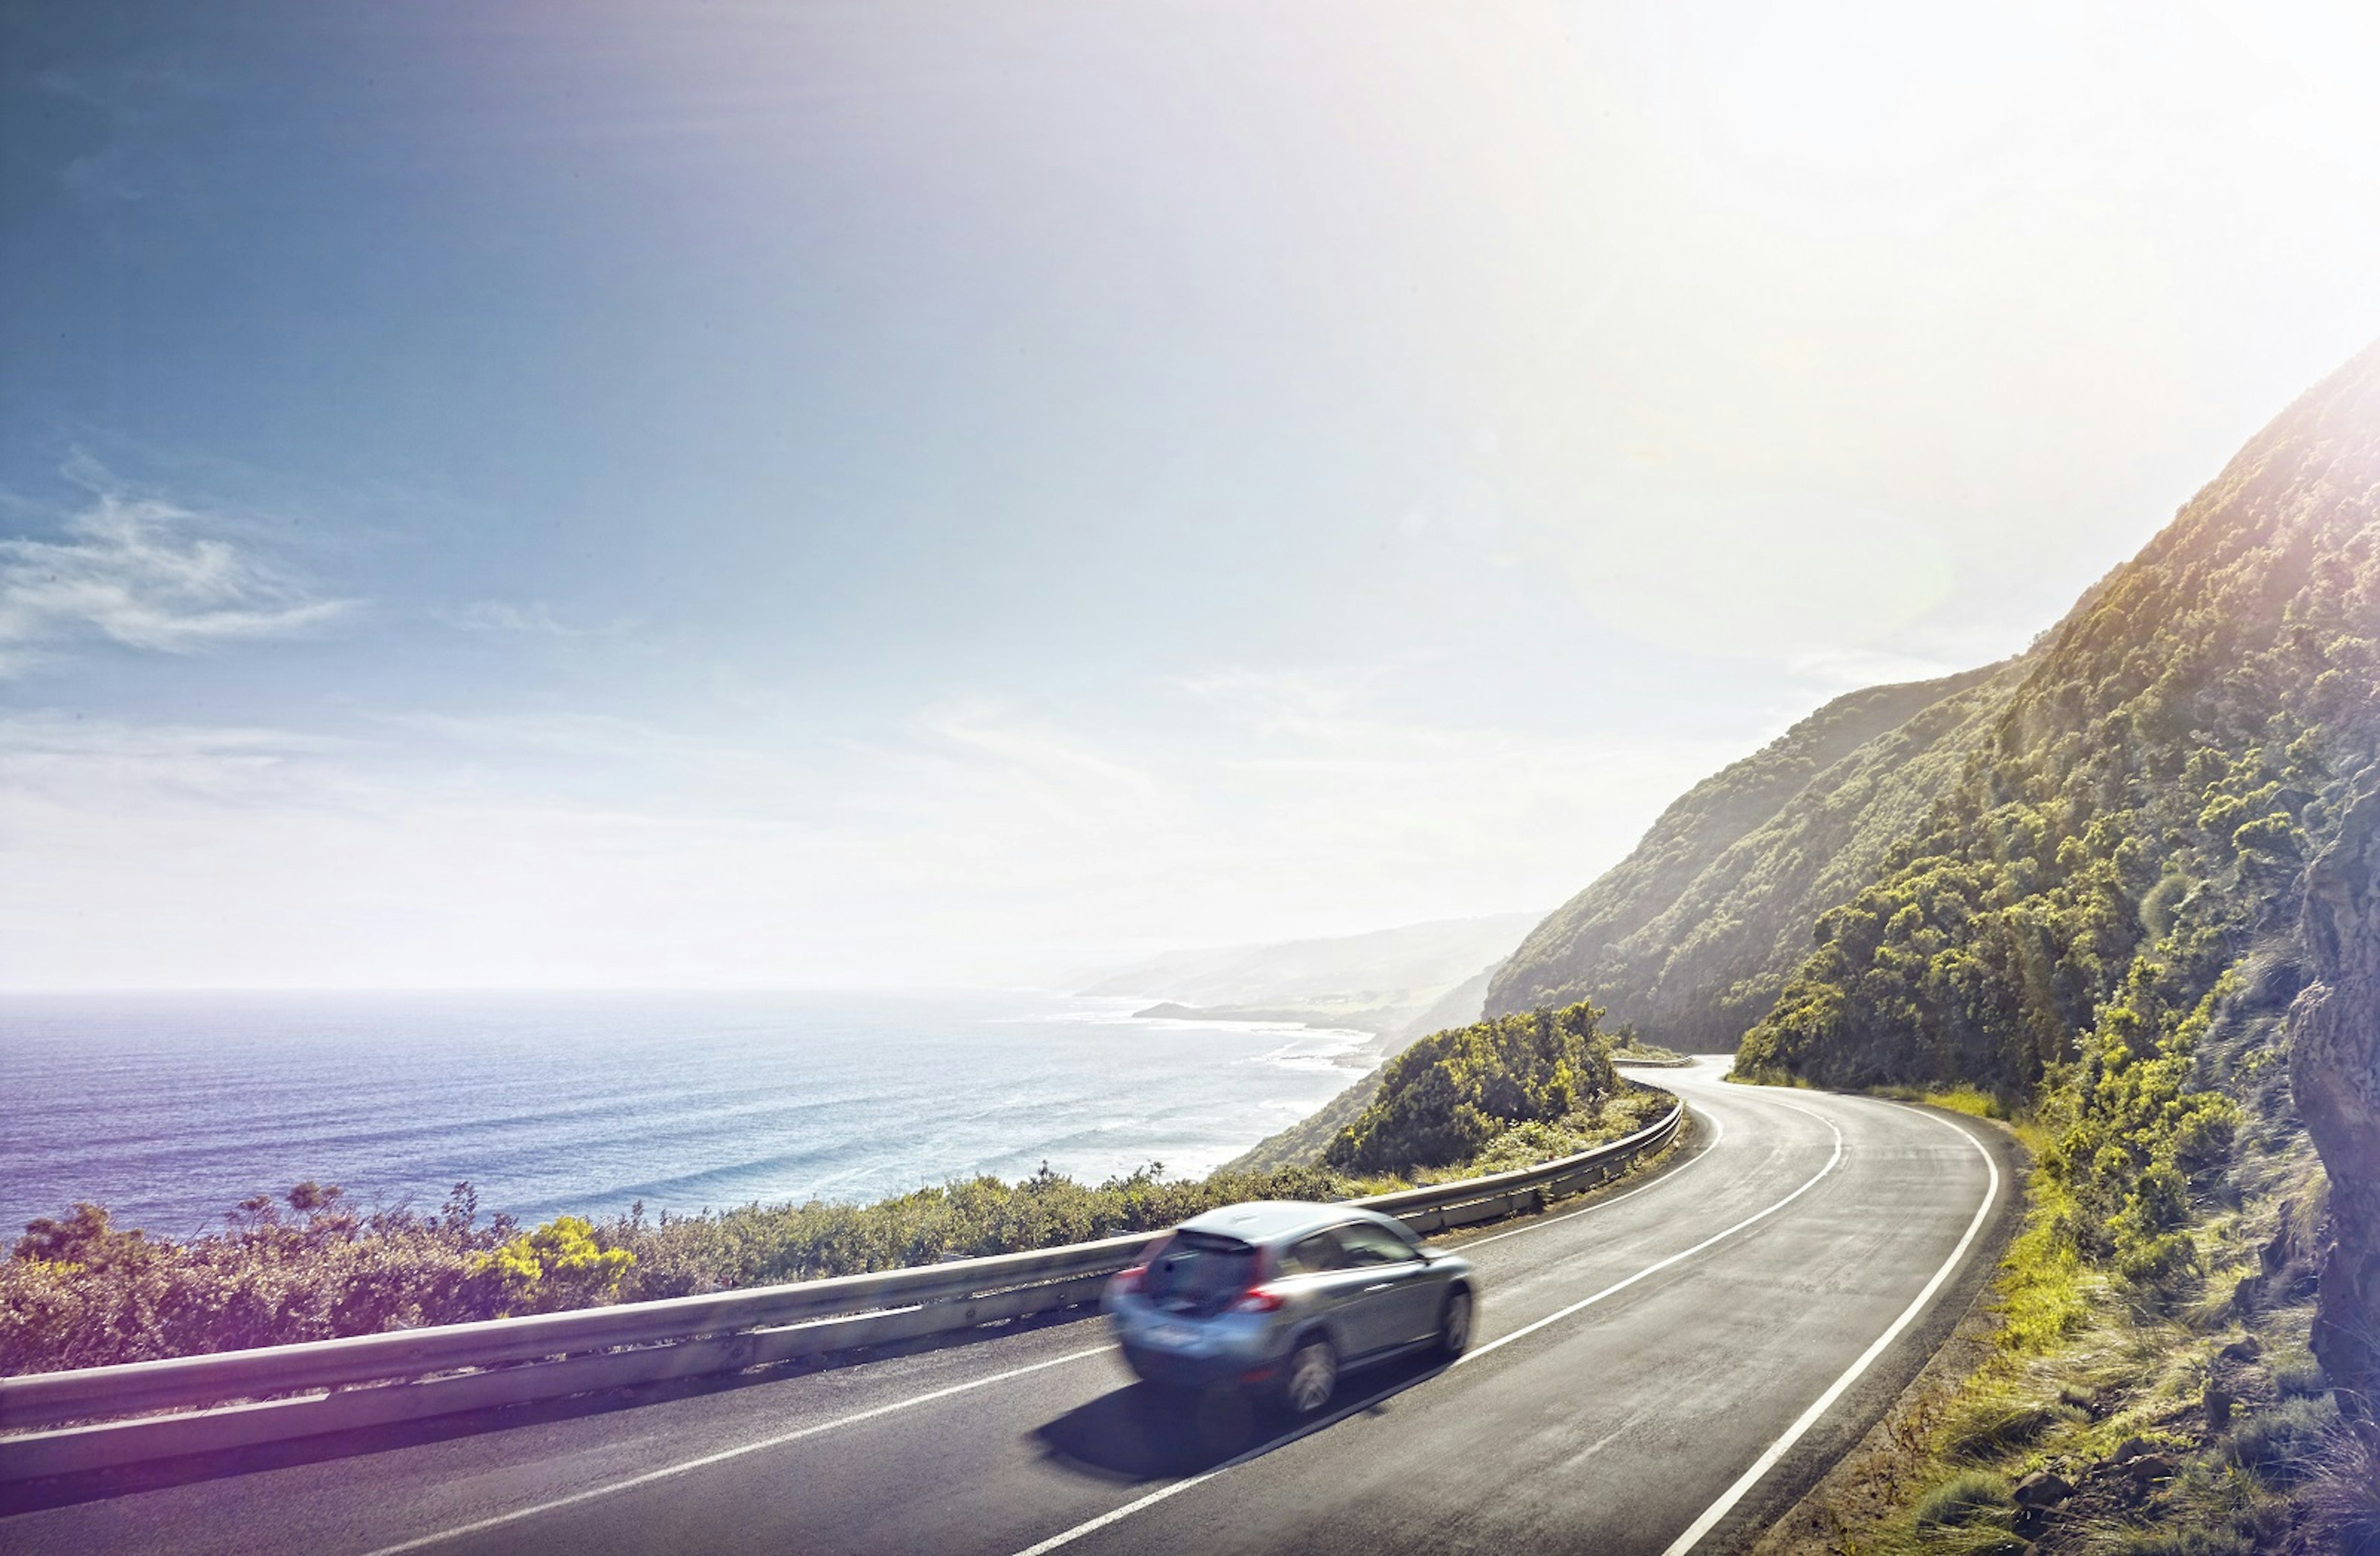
(1413, 965)
(1690, 938)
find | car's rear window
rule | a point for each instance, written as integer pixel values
(1199, 1270)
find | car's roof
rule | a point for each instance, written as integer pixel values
(1272, 1221)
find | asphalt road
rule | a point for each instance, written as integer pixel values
(1664, 1368)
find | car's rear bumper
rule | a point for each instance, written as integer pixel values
(1176, 1369)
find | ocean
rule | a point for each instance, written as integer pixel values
(169, 1109)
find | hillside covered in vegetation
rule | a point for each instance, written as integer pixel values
(1690, 938)
(2140, 815)
(2089, 914)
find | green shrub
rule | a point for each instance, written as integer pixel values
(1446, 1098)
(2281, 1445)
(1970, 1497)
(1989, 1426)
(80, 1293)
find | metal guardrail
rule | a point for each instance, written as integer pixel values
(56, 1423)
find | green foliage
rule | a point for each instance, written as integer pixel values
(2141, 812)
(1446, 1098)
(2066, 922)
(2099, 923)
(2280, 1445)
(1992, 1423)
(1691, 935)
(1524, 1144)
(762, 1245)
(1971, 1496)
(78, 1291)
(83, 1240)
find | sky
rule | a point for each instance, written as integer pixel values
(886, 495)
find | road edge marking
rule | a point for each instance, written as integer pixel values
(498, 1520)
(495, 1521)
(1617, 1286)
(1116, 1516)
(1719, 1132)
(1825, 1402)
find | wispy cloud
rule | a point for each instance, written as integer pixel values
(147, 574)
(531, 619)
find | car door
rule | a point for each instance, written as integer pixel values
(1388, 1295)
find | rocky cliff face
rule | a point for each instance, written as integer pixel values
(2335, 1077)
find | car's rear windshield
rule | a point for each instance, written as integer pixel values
(1200, 1269)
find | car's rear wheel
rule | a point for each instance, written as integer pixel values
(1312, 1375)
(1455, 1323)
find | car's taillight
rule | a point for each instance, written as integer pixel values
(1129, 1280)
(1259, 1299)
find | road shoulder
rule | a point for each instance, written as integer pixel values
(1908, 1386)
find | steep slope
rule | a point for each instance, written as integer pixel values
(1690, 937)
(2334, 1079)
(2140, 812)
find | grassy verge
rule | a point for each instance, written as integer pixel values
(2082, 1412)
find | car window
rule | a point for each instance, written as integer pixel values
(1367, 1243)
(1197, 1266)
(1310, 1256)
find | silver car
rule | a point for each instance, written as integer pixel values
(1279, 1294)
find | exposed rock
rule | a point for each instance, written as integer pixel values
(2041, 1489)
(2151, 1468)
(2335, 1079)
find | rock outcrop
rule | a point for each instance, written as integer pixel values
(2335, 1078)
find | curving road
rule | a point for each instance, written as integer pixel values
(1665, 1368)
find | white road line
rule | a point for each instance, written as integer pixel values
(1719, 1132)
(1259, 1451)
(501, 1519)
(1116, 1516)
(1616, 1287)
(1825, 1402)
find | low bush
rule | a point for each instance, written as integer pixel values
(1447, 1098)
(1991, 1426)
(1970, 1497)
(2281, 1444)
(2343, 1491)
(79, 1292)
